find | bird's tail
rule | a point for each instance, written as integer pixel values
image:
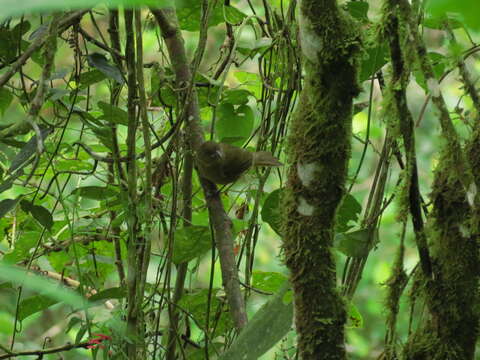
(264, 158)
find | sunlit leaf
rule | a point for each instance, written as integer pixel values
(354, 318)
(268, 281)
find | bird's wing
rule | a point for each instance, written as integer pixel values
(236, 161)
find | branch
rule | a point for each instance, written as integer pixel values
(63, 24)
(42, 352)
(221, 223)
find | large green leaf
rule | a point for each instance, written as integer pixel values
(113, 114)
(373, 60)
(268, 326)
(466, 9)
(191, 242)
(39, 213)
(37, 283)
(268, 281)
(34, 304)
(189, 15)
(234, 125)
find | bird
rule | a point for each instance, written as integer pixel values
(223, 163)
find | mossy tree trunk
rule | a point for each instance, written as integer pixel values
(319, 150)
(449, 256)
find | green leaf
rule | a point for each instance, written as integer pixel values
(196, 305)
(95, 192)
(268, 326)
(354, 318)
(189, 15)
(7, 205)
(373, 60)
(39, 213)
(438, 62)
(348, 211)
(251, 82)
(23, 245)
(236, 96)
(34, 304)
(234, 123)
(232, 15)
(356, 243)
(254, 47)
(271, 210)
(268, 281)
(438, 22)
(28, 150)
(358, 10)
(190, 243)
(37, 283)
(100, 62)
(6, 98)
(113, 114)
(90, 77)
(467, 10)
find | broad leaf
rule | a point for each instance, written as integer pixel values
(113, 114)
(6, 98)
(373, 60)
(356, 243)
(34, 304)
(100, 62)
(28, 150)
(7, 205)
(190, 243)
(189, 15)
(271, 210)
(268, 281)
(95, 192)
(348, 211)
(267, 327)
(234, 125)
